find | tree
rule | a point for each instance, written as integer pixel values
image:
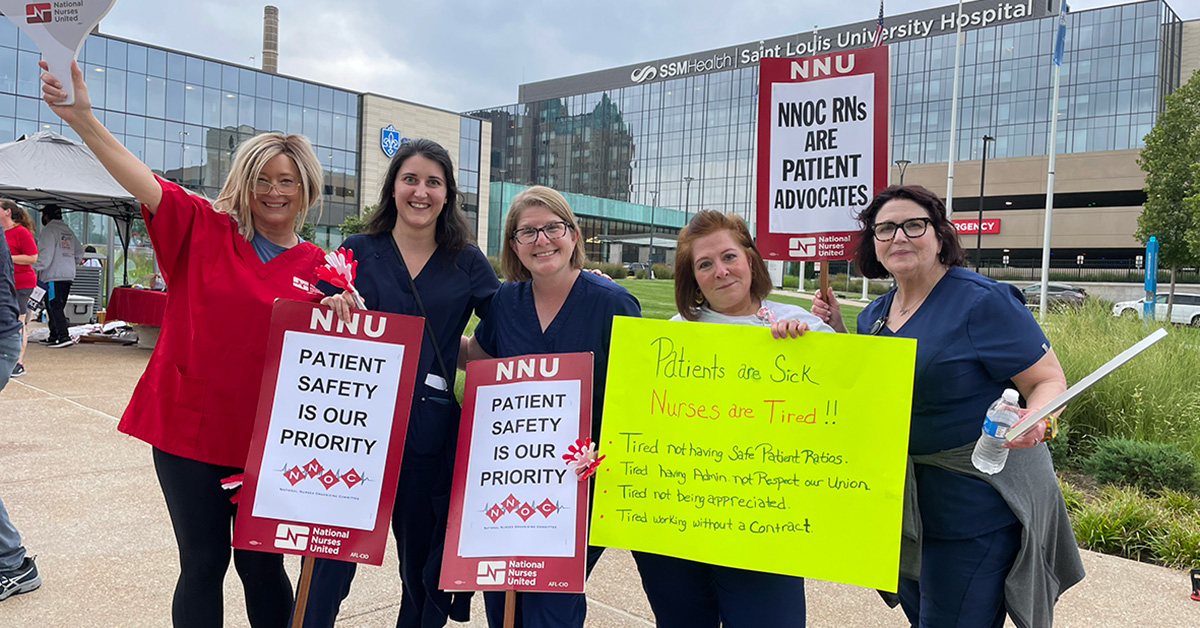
(1170, 156)
(356, 223)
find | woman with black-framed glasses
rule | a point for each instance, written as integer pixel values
(549, 304)
(986, 544)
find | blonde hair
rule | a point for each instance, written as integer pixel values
(536, 196)
(238, 191)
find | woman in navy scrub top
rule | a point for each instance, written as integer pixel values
(548, 304)
(974, 339)
(418, 212)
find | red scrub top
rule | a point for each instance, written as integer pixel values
(20, 242)
(199, 394)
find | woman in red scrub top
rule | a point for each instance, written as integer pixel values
(225, 264)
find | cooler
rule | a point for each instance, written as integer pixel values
(79, 309)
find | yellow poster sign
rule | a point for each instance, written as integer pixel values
(729, 447)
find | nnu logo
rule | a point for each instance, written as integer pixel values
(293, 537)
(643, 74)
(389, 140)
(39, 13)
(802, 247)
(490, 572)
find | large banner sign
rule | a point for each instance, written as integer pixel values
(58, 28)
(518, 514)
(729, 447)
(822, 150)
(325, 455)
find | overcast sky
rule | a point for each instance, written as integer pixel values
(470, 54)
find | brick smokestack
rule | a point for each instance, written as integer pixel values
(270, 55)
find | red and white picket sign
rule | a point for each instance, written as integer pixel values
(822, 151)
(325, 454)
(518, 512)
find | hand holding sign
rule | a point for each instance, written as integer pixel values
(58, 29)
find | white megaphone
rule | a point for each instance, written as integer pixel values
(58, 27)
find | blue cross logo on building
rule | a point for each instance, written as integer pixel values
(389, 140)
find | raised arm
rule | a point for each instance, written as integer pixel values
(128, 170)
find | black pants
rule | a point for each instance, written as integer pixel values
(203, 521)
(56, 309)
(419, 524)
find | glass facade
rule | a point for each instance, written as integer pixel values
(691, 141)
(470, 131)
(184, 115)
(1118, 64)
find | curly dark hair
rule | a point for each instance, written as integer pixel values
(951, 253)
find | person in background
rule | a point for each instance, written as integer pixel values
(61, 252)
(18, 233)
(18, 573)
(88, 260)
(196, 402)
(548, 304)
(417, 258)
(720, 277)
(986, 544)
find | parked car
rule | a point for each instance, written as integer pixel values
(633, 268)
(1056, 294)
(1186, 310)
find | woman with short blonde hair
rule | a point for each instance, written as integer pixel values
(195, 405)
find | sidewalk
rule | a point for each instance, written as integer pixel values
(87, 502)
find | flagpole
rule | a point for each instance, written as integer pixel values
(1059, 46)
(958, 46)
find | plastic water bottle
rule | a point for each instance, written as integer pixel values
(990, 454)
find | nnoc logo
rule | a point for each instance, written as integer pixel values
(643, 74)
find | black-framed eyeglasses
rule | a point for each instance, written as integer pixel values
(553, 231)
(913, 228)
(877, 326)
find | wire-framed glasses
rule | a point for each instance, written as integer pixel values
(283, 187)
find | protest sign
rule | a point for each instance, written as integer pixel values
(518, 514)
(325, 454)
(58, 29)
(729, 447)
(822, 151)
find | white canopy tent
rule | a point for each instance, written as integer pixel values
(46, 168)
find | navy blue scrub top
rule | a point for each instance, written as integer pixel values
(584, 323)
(450, 289)
(973, 335)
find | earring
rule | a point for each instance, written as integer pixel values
(699, 297)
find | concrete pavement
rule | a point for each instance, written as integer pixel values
(87, 502)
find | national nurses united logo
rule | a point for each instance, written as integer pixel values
(389, 140)
(39, 13)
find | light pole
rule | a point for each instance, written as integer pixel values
(979, 227)
(649, 271)
(902, 164)
(182, 155)
(687, 200)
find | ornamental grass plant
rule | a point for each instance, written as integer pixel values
(1154, 397)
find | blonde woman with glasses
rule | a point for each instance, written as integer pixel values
(225, 264)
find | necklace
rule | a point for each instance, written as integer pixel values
(905, 310)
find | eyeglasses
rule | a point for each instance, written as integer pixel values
(283, 187)
(913, 228)
(553, 231)
(877, 326)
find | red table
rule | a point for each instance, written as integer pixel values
(137, 306)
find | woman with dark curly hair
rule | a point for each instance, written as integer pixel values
(983, 544)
